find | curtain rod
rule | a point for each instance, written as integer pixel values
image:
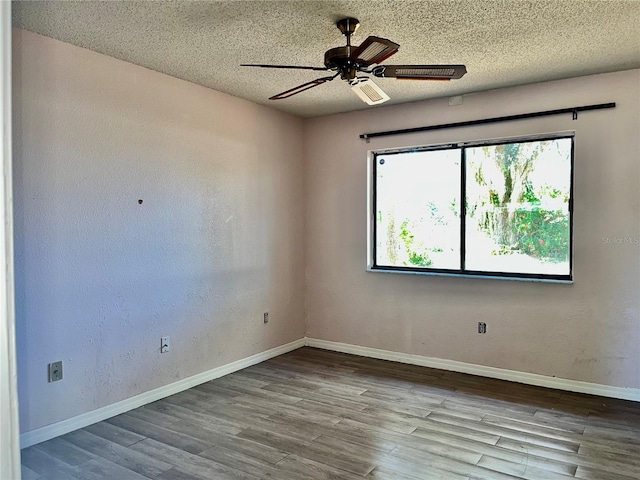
(546, 113)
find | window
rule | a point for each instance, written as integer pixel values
(483, 209)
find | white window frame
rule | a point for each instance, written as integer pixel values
(371, 213)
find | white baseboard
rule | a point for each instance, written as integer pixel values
(481, 370)
(65, 426)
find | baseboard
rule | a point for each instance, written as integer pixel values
(480, 370)
(65, 426)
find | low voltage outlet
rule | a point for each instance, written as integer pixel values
(55, 371)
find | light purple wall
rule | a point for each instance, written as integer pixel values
(99, 277)
(587, 331)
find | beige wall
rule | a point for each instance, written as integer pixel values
(587, 331)
(235, 195)
(100, 278)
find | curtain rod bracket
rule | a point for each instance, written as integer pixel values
(575, 113)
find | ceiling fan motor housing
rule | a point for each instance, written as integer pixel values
(338, 59)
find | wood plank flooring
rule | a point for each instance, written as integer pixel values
(312, 414)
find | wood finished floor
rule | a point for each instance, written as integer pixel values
(312, 414)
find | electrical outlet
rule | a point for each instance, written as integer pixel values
(265, 317)
(482, 327)
(165, 344)
(55, 371)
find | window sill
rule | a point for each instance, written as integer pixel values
(464, 275)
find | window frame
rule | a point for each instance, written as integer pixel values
(372, 162)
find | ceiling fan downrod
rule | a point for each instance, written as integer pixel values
(340, 58)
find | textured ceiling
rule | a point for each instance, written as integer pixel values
(502, 42)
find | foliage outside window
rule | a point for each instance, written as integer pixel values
(515, 221)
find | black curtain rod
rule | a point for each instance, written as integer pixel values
(573, 110)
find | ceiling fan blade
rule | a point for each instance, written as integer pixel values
(302, 88)
(373, 50)
(420, 72)
(296, 67)
(369, 92)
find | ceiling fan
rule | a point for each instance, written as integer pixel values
(355, 64)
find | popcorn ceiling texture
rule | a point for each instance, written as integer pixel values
(502, 42)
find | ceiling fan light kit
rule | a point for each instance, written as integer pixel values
(354, 64)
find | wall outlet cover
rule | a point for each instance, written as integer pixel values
(55, 371)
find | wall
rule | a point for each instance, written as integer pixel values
(229, 210)
(100, 278)
(588, 331)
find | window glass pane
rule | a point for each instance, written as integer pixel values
(417, 209)
(517, 199)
